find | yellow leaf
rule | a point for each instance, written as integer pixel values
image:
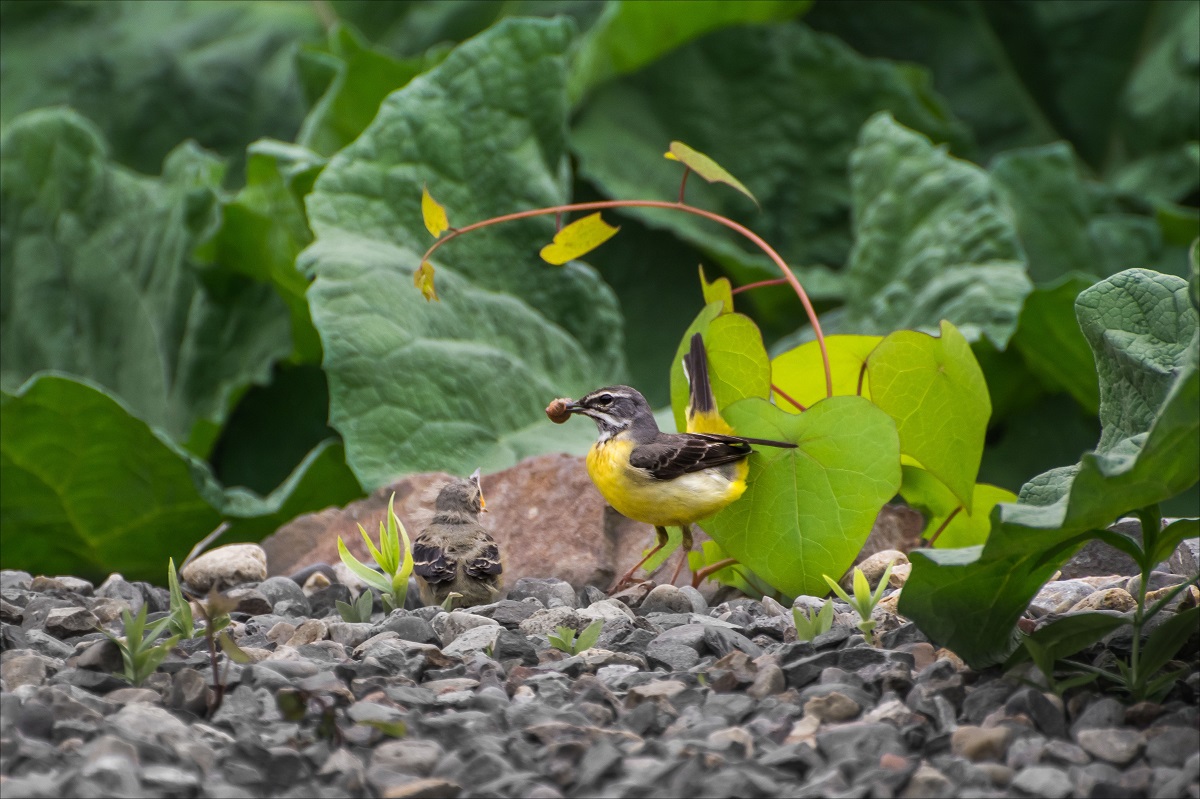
(435, 215)
(580, 237)
(720, 289)
(706, 168)
(423, 279)
(800, 374)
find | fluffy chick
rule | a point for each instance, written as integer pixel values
(454, 553)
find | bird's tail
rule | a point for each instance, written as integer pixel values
(702, 415)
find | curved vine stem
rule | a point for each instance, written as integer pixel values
(742, 230)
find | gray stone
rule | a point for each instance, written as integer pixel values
(1105, 712)
(227, 566)
(13, 578)
(286, 598)
(1044, 781)
(409, 628)
(1066, 753)
(250, 601)
(550, 591)
(1185, 560)
(699, 603)
(1041, 709)
(545, 622)
(26, 668)
(666, 599)
(676, 657)
(1158, 580)
(513, 646)
(607, 610)
(36, 720)
(928, 782)
(1171, 746)
(721, 642)
(985, 698)
(1058, 596)
(1117, 746)
(189, 691)
(352, 634)
(476, 639)
(508, 612)
(859, 742)
(117, 587)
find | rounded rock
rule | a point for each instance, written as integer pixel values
(232, 564)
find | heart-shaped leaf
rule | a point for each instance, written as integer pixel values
(705, 167)
(807, 511)
(800, 373)
(738, 366)
(934, 389)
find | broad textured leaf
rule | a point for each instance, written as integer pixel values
(926, 493)
(1141, 327)
(992, 585)
(807, 511)
(1069, 225)
(578, 239)
(630, 35)
(738, 366)
(452, 385)
(361, 77)
(151, 75)
(1052, 345)
(934, 390)
(800, 372)
(705, 167)
(791, 102)
(67, 449)
(97, 282)
(932, 241)
(264, 228)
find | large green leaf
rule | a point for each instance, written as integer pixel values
(361, 77)
(629, 35)
(1141, 327)
(452, 385)
(86, 488)
(738, 366)
(990, 586)
(151, 75)
(946, 516)
(807, 511)
(934, 390)
(1117, 79)
(800, 372)
(932, 241)
(1052, 345)
(778, 107)
(1067, 224)
(96, 279)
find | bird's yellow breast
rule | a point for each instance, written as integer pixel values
(665, 503)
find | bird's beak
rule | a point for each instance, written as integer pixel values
(575, 407)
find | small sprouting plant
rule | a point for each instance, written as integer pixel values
(215, 612)
(1145, 676)
(809, 626)
(864, 600)
(358, 612)
(393, 582)
(564, 640)
(448, 602)
(180, 622)
(138, 651)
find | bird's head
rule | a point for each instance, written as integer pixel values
(462, 496)
(615, 409)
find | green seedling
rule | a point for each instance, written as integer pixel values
(395, 562)
(214, 610)
(181, 621)
(809, 626)
(360, 611)
(138, 651)
(1145, 676)
(564, 640)
(448, 602)
(864, 600)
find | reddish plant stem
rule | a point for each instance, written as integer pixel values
(779, 281)
(944, 524)
(683, 183)
(744, 231)
(700, 575)
(558, 222)
(783, 394)
(862, 373)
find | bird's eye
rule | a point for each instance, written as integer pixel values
(604, 400)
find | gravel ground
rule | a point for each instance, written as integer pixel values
(676, 699)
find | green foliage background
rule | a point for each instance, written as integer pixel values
(209, 226)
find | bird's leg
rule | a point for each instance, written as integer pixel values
(661, 533)
(683, 551)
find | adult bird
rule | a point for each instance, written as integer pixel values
(454, 554)
(666, 479)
